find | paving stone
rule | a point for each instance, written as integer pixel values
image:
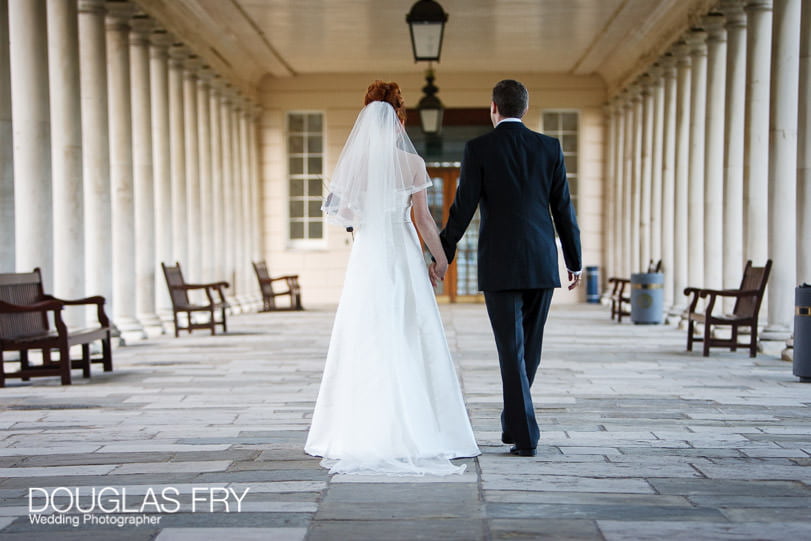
(658, 530)
(398, 530)
(533, 529)
(625, 512)
(232, 534)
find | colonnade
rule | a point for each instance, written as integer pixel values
(120, 150)
(708, 158)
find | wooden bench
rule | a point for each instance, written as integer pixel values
(179, 293)
(293, 290)
(748, 298)
(25, 326)
(621, 292)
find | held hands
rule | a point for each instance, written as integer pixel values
(574, 280)
(436, 272)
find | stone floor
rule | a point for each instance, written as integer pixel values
(640, 440)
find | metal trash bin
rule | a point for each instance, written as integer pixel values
(802, 333)
(593, 284)
(647, 297)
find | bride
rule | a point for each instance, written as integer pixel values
(389, 401)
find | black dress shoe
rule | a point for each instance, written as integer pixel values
(523, 452)
(506, 438)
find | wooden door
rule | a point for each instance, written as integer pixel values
(461, 282)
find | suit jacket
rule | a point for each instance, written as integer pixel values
(518, 179)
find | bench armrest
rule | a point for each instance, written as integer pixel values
(41, 306)
(728, 292)
(204, 286)
(98, 300)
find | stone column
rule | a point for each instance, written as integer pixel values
(98, 230)
(229, 226)
(121, 177)
(619, 180)
(192, 271)
(682, 178)
(206, 188)
(257, 191)
(734, 144)
(696, 39)
(33, 209)
(629, 264)
(804, 152)
(756, 131)
(6, 151)
(669, 179)
(248, 224)
(177, 151)
(646, 178)
(66, 154)
(658, 91)
(785, 84)
(238, 203)
(636, 181)
(609, 191)
(218, 223)
(143, 176)
(162, 165)
(714, 152)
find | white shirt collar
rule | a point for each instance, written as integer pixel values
(510, 119)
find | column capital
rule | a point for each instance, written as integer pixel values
(216, 84)
(714, 24)
(160, 40)
(657, 73)
(192, 63)
(734, 13)
(696, 40)
(227, 93)
(681, 52)
(205, 76)
(92, 6)
(758, 5)
(178, 53)
(645, 82)
(119, 14)
(141, 27)
(668, 62)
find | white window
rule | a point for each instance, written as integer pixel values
(305, 169)
(563, 125)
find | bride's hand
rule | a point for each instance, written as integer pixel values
(436, 271)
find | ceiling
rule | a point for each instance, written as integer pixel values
(248, 39)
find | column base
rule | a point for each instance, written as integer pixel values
(773, 340)
(152, 325)
(675, 316)
(234, 304)
(129, 330)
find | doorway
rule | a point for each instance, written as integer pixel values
(461, 281)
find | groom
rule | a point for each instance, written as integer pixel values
(518, 180)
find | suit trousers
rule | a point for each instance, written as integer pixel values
(518, 318)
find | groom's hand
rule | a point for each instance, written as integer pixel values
(574, 280)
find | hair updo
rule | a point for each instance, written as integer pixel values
(389, 93)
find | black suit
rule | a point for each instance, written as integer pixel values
(517, 178)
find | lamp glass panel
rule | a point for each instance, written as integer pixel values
(430, 120)
(427, 39)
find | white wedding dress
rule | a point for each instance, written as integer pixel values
(390, 401)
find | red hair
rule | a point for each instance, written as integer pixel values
(389, 93)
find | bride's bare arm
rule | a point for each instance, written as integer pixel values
(427, 228)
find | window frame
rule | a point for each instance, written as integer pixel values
(306, 243)
(557, 134)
